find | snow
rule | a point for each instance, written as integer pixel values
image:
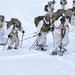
(32, 62)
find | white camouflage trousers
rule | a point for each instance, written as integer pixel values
(14, 40)
(58, 40)
(42, 40)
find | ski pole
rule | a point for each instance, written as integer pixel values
(29, 37)
(53, 39)
(37, 40)
(62, 35)
(21, 40)
(53, 31)
(5, 44)
(30, 33)
(34, 42)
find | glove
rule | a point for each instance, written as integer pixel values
(60, 2)
(39, 34)
(9, 36)
(52, 9)
(23, 31)
(52, 29)
(73, 8)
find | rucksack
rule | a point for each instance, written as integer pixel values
(57, 14)
(68, 12)
(9, 23)
(37, 20)
(14, 22)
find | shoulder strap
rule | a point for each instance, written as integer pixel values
(44, 23)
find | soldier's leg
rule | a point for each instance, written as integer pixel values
(2, 30)
(16, 42)
(11, 42)
(65, 42)
(42, 43)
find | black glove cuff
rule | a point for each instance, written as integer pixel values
(53, 28)
(9, 36)
(23, 31)
(60, 2)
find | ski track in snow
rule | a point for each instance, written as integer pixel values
(24, 55)
(55, 60)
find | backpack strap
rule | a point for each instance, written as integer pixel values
(44, 23)
(46, 27)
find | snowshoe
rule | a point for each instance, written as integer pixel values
(42, 49)
(2, 44)
(64, 50)
(15, 48)
(61, 54)
(9, 48)
(54, 53)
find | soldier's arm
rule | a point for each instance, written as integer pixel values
(21, 29)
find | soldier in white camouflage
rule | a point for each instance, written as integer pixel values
(2, 30)
(63, 3)
(73, 3)
(2, 24)
(13, 36)
(43, 27)
(50, 7)
(61, 38)
(73, 15)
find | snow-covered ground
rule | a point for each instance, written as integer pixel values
(31, 62)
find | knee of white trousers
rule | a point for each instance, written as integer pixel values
(17, 42)
(11, 42)
(65, 44)
(42, 41)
